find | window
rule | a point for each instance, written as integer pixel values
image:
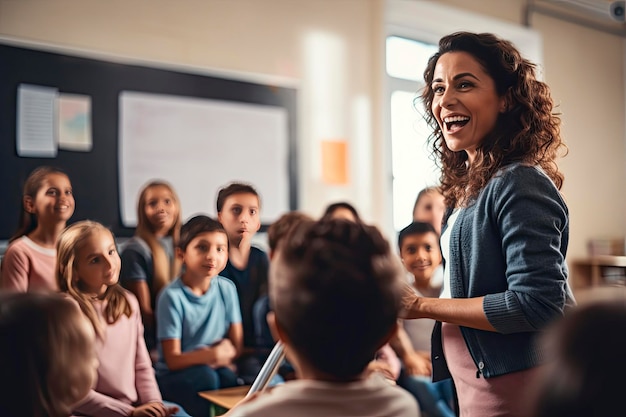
(412, 166)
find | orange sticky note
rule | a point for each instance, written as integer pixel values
(334, 162)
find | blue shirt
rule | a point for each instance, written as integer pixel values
(196, 320)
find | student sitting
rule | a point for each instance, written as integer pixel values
(88, 268)
(47, 205)
(238, 209)
(198, 320)
(335, 292)
(148, 262)
(418, 244)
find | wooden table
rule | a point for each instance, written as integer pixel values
(225, 398)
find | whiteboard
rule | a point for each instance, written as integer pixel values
(198, 146)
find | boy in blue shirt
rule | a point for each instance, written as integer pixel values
(198, 320)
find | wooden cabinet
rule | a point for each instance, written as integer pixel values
(597, 271)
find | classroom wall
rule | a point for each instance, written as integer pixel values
(331, 50)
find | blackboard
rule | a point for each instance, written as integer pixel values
(95, 174)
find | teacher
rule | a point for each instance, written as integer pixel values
(504, 244)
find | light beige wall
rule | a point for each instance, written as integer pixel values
(326, 46)
(332, 48)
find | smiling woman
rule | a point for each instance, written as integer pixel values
(506, 233)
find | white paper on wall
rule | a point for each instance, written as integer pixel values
(36, 116)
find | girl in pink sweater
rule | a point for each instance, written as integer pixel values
(47, 205)
(88, 268)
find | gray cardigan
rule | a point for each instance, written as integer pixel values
(509, 246)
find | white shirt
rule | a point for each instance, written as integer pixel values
(445, 250)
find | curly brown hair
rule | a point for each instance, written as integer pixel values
(527, 132)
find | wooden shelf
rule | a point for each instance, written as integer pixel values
(587, 272)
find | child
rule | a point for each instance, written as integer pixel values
(342, 210)
(198, 320)
(47, 355)
(275, 233)
(238, 207)
(88, 267)
(386, 360)
(430, 207)
(48, 203)
(335, 293)
(281, 227)
(418, 244)
(148, 262)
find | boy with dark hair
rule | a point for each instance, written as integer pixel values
(335, 291)
(198, 319)
(281, 227)
(418, 244)
(238, 208)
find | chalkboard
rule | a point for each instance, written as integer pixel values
(95, 175)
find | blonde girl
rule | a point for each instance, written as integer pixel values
(49, 363)
(148, 262)
(88, 267)
(47, 205)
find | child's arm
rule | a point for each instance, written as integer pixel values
(414, 363)
(145, 381)
(14, 273)
(133, 276)
(99, 405)
(233, 314)
(235, 334)
(388, 356)
(215, 356)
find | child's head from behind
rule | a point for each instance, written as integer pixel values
(47, 356)
(335, 290)
(158, 209)
(279, 229)
(586, 361)
(203, 246)
(342, 210)
(238, 207)
(87, 259)
(47, 199)
(430, 207)
(418, 244)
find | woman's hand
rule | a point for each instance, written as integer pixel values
(410, 303)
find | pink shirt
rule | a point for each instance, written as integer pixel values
(500, 396)
(26, 266)
(125, 375)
